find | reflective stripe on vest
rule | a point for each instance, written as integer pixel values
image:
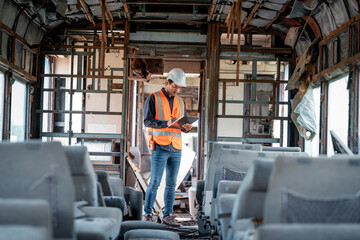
(163, 133)
(166, 136)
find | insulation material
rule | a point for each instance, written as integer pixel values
(34, 34)
(325, 20)
(5, 53)
(8, 13)
(22, 24)
(259, 22)
(302, 8)
(291, 36)
(339, 12)
(302, 43)
(267, 14)
(247, 4)
(18, 54)
(303, 114)
(279, 28)
(272, 6)
(352, 7)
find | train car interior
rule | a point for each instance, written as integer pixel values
(272, 150)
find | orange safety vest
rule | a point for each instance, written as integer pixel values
(165, 136)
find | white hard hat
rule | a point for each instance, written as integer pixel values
(178, 76)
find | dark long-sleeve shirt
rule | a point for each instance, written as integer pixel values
(150, 121)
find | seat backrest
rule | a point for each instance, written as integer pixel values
(281, 149)
(251, 194)
(309, 190)
(216, 154)
(40, 170)
(103, 179)
(117, 186)
(83, 174)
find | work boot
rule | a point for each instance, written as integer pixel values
(150, 218)
(170, 221)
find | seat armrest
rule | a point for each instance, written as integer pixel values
(317, 231)
(134, 200)
(34, 212)
(117, 202)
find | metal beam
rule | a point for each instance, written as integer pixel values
(253, 10)
(20, 71)
(18, 37)
(126, 9)
(87, 11)
(277, 14)
(248, 140)
(80, 76)
(82, 135)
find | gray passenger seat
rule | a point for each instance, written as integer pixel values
(313, 198)
(105, 221)
(25, 219)
(117, 195)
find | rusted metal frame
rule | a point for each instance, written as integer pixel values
(348, 42)
(87, 11)
(252, 81)
(234, 21)
(333, 52)
(356, 114)
(19, 70)
(339, 30)
(124, 100)
(212, 92)
(201, 128)
(238, 26)
(6, 105)
(223, 98)
(340, 65)
(141, 100)
(13, 50)
(254, 117)
(79, 112)
(216, 76)
(83, 47)
(230, 20)
(17, 36)
(126, 9)
(232, 48)
(352, 110)
(320, 58)
(253, 10)
(277, 15)
(89, 62)
(323, 119)
(103, 41)
(108, 15)
(81, 76)
(212, 10)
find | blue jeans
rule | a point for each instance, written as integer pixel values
(159, 159)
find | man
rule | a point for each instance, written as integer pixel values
(161, 109)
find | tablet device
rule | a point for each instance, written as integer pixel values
(183, 120)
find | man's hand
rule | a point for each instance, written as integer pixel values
(187, 126)
(171, 121)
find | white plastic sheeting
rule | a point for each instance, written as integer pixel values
(303, 114)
